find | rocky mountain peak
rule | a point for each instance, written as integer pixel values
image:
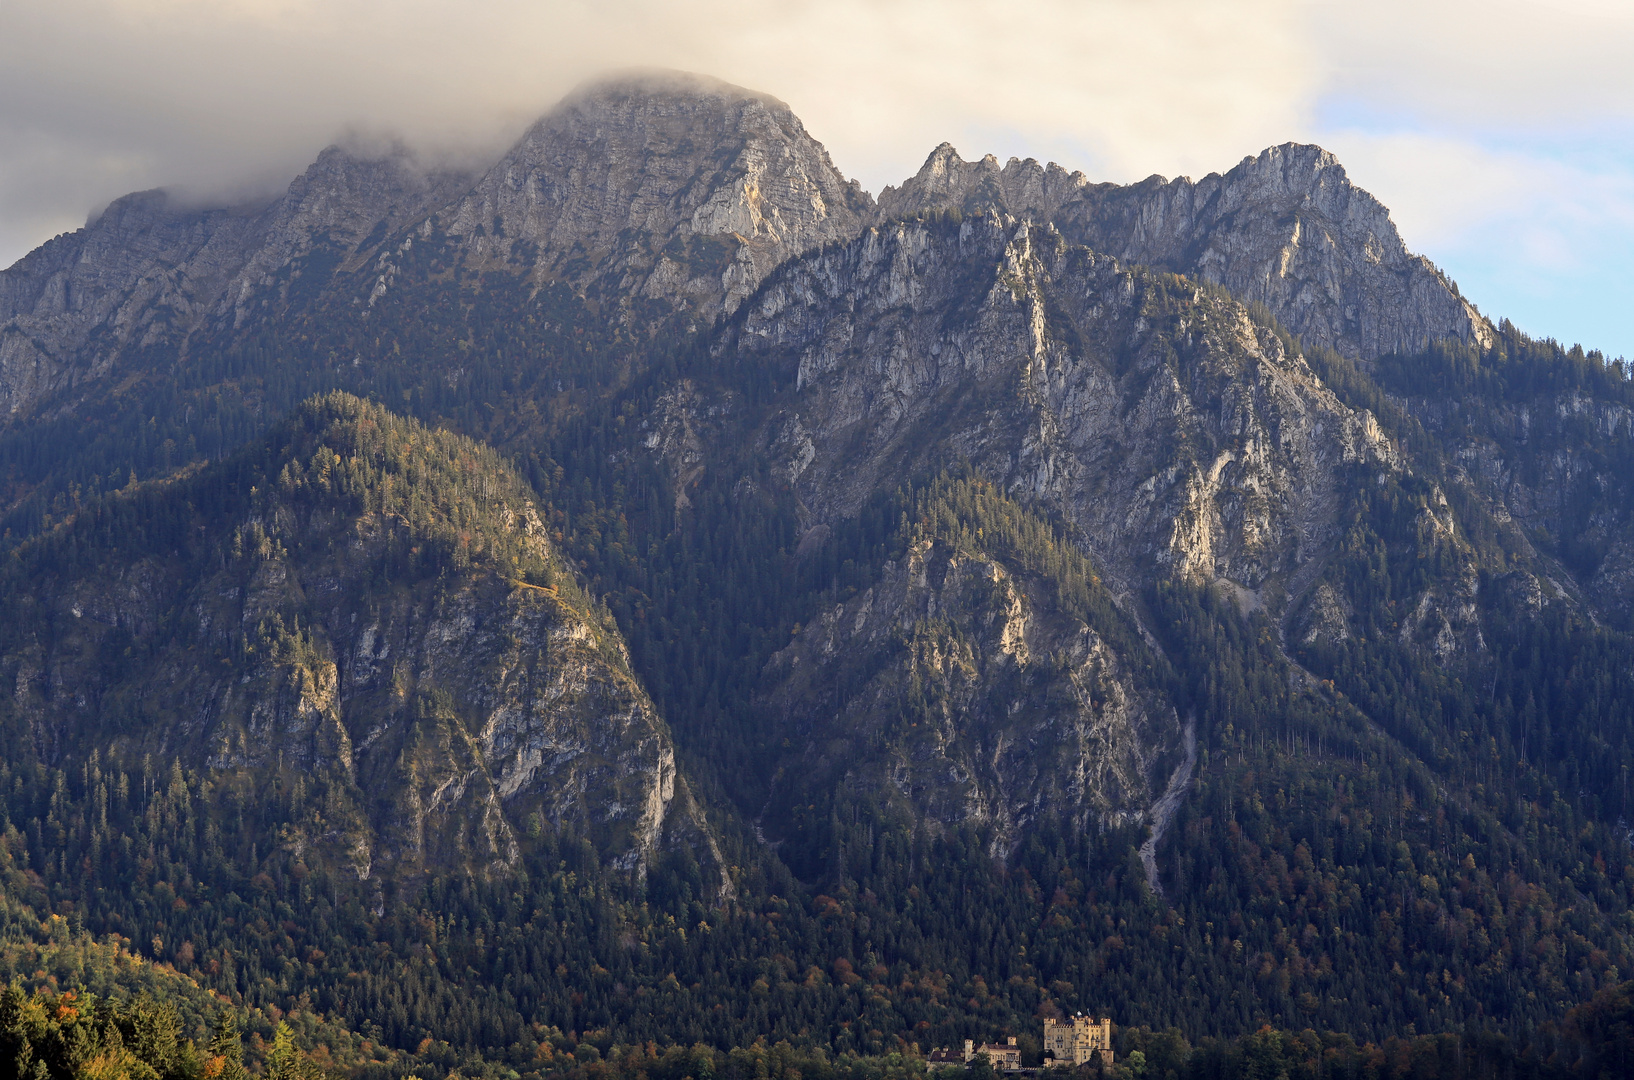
(350, 187)
(947, 181)
(690, 187)
(1295, 169)
(650, 186)
(1286, 228)
(151, 268)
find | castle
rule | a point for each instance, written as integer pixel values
(1074, 1042)
(1066, 1043)
(1004, 1057)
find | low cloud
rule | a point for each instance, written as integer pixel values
(1489, 65)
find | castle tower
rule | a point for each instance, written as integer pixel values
(1076, 1041)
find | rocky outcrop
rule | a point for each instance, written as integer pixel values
(1179, 436)
(947, 181)
(1286, 228)
(958, 692)
(71, 306)
(149, 272)
(661, 189)
(1172, 434)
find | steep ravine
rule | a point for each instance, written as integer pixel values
(1162, 811)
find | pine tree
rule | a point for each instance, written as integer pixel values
(286, 1061)
(226, 1049)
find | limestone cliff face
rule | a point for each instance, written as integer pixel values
(1178, 435)
(956, 690)
(410, 721)
(1286, 228)
(947, 181)
(1173, 435)
(68, 308)
(663, 186)
(1546, 467)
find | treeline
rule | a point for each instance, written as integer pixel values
(70, 1035)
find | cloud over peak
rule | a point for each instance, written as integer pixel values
(231, 97)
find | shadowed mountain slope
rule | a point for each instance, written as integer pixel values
(365, 617)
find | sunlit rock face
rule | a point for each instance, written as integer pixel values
(1286, 228)
(957, 692)
(664, 186)
(1176, 437)
(403, 722)
(1180, 436)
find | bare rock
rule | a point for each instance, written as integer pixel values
(955, 692)
(662, 185)
(1286, 228)
(150, 272)
(1177, 434)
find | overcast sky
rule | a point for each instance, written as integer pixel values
(1498, 132)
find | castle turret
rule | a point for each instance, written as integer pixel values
(1076, 1041)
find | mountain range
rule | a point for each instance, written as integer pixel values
(652, 590)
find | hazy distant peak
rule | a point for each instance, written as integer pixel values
(691, 188)
(355, 146)
(151, 201)
(660, 83)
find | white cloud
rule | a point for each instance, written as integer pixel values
(1498, 132)
(1495, 64)
(1124, 88)
(1440, 188)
